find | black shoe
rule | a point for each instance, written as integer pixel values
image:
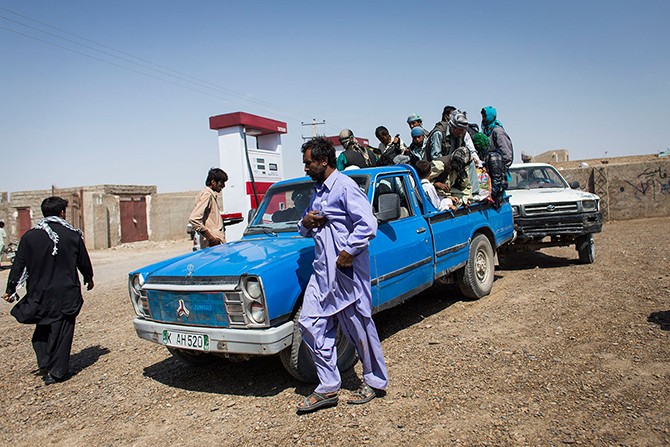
(39, 371)
(50, 380)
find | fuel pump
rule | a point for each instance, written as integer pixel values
(251, 170)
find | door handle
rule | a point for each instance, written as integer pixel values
(421, 230)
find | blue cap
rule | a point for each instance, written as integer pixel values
(418, 130)
(414, 117)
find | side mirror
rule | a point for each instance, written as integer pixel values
(388, 206)
(574, 185)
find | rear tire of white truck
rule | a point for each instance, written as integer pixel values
(195, 358)
(586, 247)
(476, 278)
(297, 359)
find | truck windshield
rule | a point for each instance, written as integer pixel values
(283, 206)
(532, 177)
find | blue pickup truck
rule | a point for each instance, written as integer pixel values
(242, 298)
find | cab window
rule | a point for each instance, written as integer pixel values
(393, 184)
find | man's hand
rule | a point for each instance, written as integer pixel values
(10, 298)
(344, 260)
(313, 219)
(442, 186)
(212, 241)
(89, 283)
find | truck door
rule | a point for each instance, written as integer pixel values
(451, 233)
(401, 253)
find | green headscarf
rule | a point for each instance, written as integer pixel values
(482, 144)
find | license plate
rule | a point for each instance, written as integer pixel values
(198, 342)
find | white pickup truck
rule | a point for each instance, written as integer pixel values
(549, 212)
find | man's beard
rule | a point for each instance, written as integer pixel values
(318, 176)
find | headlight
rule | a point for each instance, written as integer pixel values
(515, 211)
(253, 288)
(589, 205)
(137, 296)
(257, 312)
(137, 284)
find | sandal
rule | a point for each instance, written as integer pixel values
(316, 401)
(365, 394)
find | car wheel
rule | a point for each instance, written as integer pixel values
(298, 361)
(586, 247)
(476, 278)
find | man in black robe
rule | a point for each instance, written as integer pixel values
(47, 259)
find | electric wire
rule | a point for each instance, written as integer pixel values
(147, 65)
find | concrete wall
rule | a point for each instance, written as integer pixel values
(169, 215)
(553, 156)
(627, 191)
(629, 188)
(100, 206)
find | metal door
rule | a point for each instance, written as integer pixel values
(23, 221)
(133, 219)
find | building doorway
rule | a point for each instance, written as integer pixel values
(23, 221)
(133, 219)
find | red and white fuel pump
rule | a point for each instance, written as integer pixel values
(251, 170)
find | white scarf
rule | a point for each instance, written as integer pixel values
(43, 225)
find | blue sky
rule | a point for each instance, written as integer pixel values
(589, 76)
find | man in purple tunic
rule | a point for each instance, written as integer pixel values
(341, 222)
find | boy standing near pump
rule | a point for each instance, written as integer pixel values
(205, 219)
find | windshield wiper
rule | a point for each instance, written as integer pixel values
(265, 228)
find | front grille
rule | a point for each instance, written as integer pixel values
(188, 308)
(234, 302)
(550, 209)
(553, 228)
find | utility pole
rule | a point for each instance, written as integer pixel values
(313, 124)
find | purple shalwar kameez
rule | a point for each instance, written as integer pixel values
(341, 296)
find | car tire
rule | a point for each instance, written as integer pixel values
(586, 247)
(476, 278)
(298, 361)
(194, 358)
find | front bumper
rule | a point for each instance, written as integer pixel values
(224, 340)
(560, 225)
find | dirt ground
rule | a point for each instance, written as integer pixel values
(559, 354)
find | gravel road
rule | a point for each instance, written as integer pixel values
(559, 354)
